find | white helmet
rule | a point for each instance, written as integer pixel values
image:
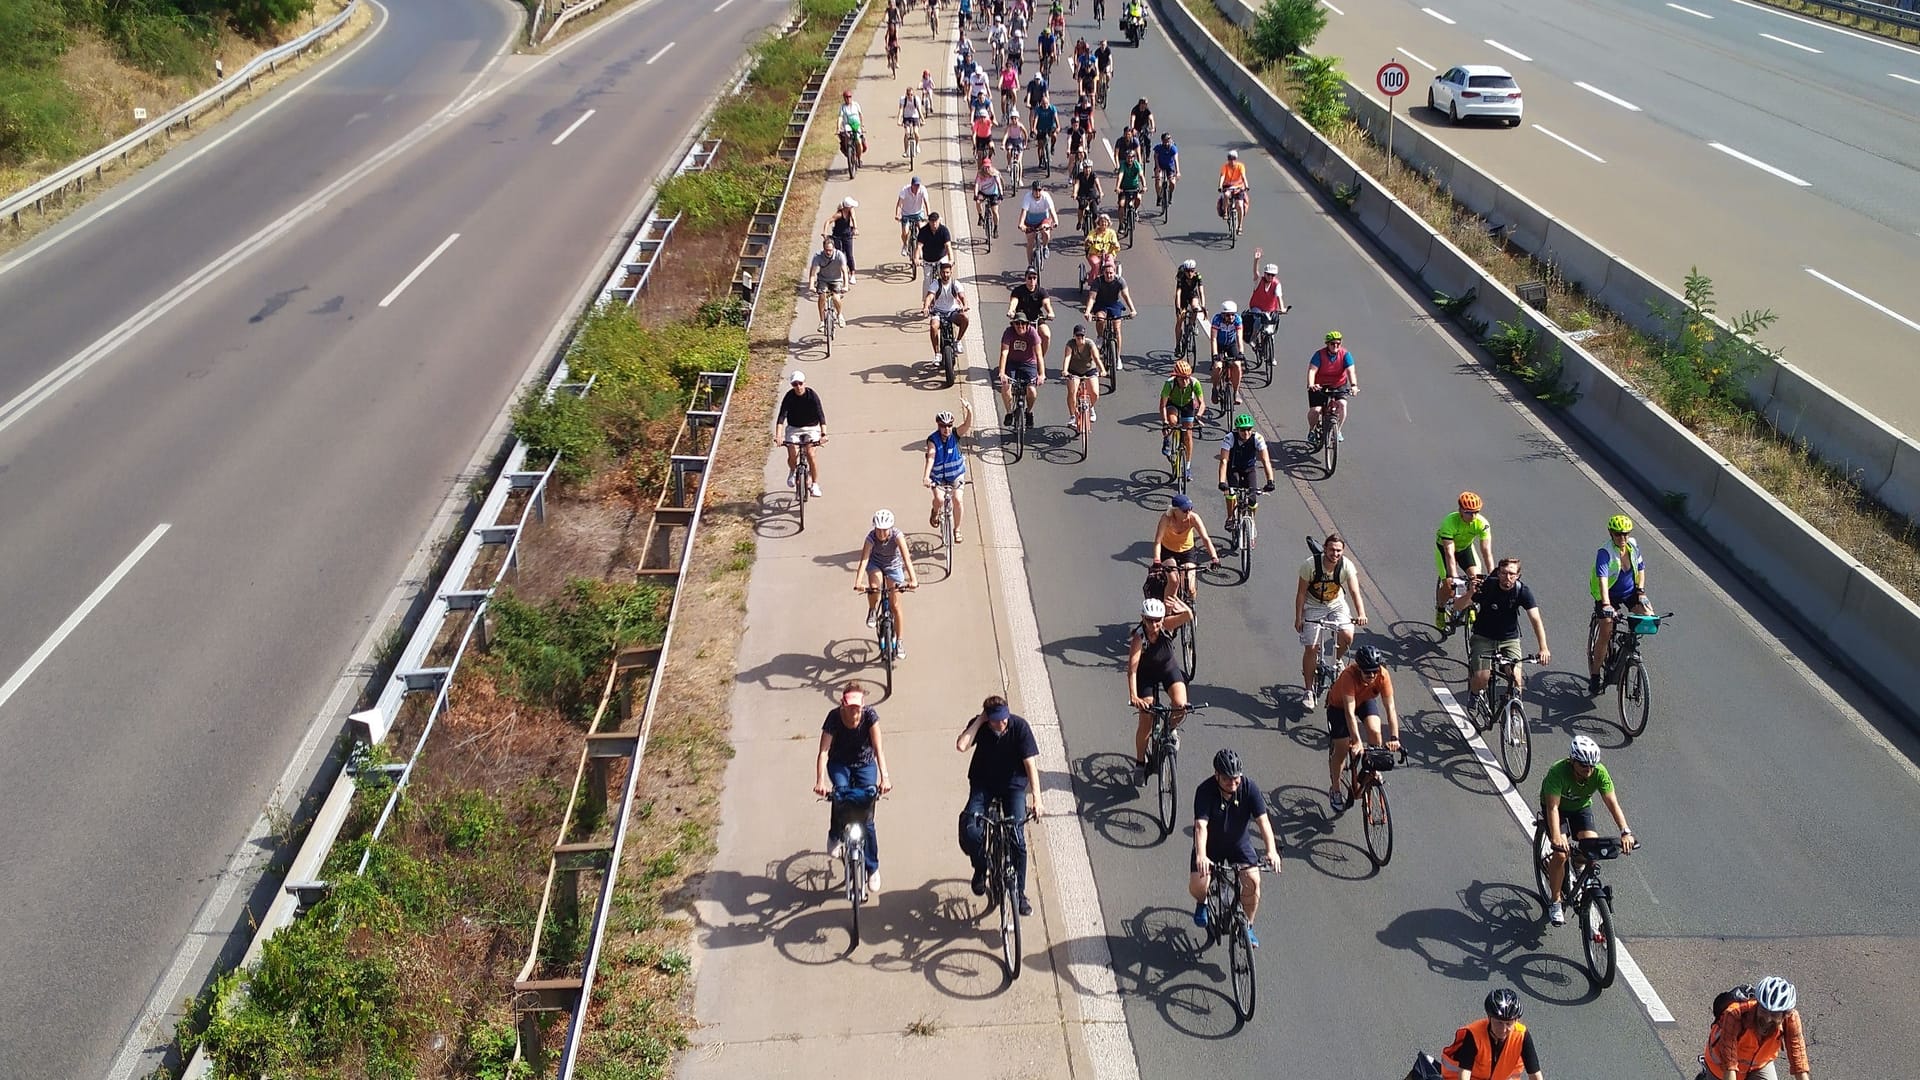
(1229, 306)
(1270, 268)
(1153, 609)
(1584, 750)
(1775, 994)
(1190, 265)
(883, 519)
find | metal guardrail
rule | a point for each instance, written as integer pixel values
(1905, 15)
(95, 164)
(629, 278)
(566, 15)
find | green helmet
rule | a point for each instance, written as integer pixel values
(1243, 422)
(1619, 523)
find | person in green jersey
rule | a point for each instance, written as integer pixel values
(1133, 178)
(1566, 802)
(1463, 546)
(1183, 404)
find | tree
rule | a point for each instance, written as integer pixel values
(1284, 27)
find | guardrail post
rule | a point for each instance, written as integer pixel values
(531, 1047)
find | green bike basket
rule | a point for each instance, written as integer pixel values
(1644, 625)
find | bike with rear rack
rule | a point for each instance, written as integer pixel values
(1584, 892)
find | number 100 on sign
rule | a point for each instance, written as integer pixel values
(1392, 78)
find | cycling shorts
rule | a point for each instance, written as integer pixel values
(916, 219)
(1573, 822)
(1318, 398)
(1243, 478)
(1465, 555)
(1188, 413)
(1337, 730)
(1147, 684)
(910, 121)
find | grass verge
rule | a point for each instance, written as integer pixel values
(1866, 24)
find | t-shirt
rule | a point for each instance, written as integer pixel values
(933, 242)
(913, 203)
(850, 745)
(1164, 154)
(1131, 175)
(1331, 369)
(850, 116)
(1036, 91)
(1023, 346)
(1038, 207)
(999, 758)
(1082, 357)
(1462, 531)
(1227, 818)
(1045, 119)
(1500, 609)
(1107, 290)
(828, 267)
(802, 408)
(1351, 685)
(946, 296)
(1574, 793)
(1226, 328)
(1030, 300)
(1186, 286)
(910, 107)
(1233, 174)
(1326, 584)
(1142, 118)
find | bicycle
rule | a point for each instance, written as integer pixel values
(886, 634)
(1187, 344)
(1327, 663)
(989, 219)
(1236, 219)
(1625, 669)
(1015, 151)
(1163, 192)
(933, 20)
(1586, 893)
(893, 58)
(1129, 217)
(1163, 757)
(1019, 386)
(1508, 718)
(1100, 89)
(1003, 880)
(1227, 921)
(1189, 634)
(1259, 359)
(850, 149)
(1367, 789)
(1220, 388)
(949, 348)
(1038, 243)
(1110, 349)
(1176, 452)
(1083, 413)
(949, 535)
(1241, 528)
(1325, 439)
(1045, 150)
(854, 805)
(803, 478)
(833, 318)
(913, 144)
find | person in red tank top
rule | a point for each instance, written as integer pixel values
(1267, 302)
(1330, 368)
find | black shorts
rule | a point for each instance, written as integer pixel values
(1147, 683)
(1574, 822)
(1228, 853)
(1243, 478)
(1337, 721)
(1028, 373)
(1317, 397)
(1463, 555)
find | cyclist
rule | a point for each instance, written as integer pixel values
(1166, 161)
(841, 227)
(965, 16)
(1182, 406)
(997, 40)
(945, 463)
(1009, 90)
(1153, 665)
(893, 38)
(851, 756)
(1329, 591)
(935, 241)
(1619, 580)
(849, 124)
(1031, 299)
(1109, 301)
(1233, 185)
(1081, 368)
(1266, 303)
(1189, 298)
(1083, 117)
(926, 90)
(886, 563)
(1015, 139)
(982, 128)
(1016, 49)
(1748, 1035)
(1224, 333)
(1329, 368)
(1046, 127)
(1497, 1048)
(1223, 807)
(1088, 75)
(1102, 242)
(977, 87)
(1099, 12)
(1103, 61)
(1080, 53)
(1037, 219)
(1239, 453)
(1036, 93)
(1566, 803)
(1020, 362)
(963, 64)
(944, 300)
(828, 272)
(1005, 766)
(1127, 144)
(1132, 179)
(1462, 544)
(1499, 602)
(805, 418)
(1361, 690)
(910, 209)
(1049, 47)
(909, 117)
(1086, 196)
(1173, 539)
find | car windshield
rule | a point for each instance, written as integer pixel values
(1491, 82)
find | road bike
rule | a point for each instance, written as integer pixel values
(1174, 449)
(989, 219)
(1367, 789)
(913, 144)
(1585, 893)
(1325, 439)
(1003, 879)
(1110, 349)
(1163, 763)
(1163, 192)
(949, 531)
(853, 821)
(1236, 218)
(949, 348)
(1227, 921)
(1501, 713)
(886, 634)
(803, 477)
(1326, 665)
(1022, 416)
(1625, 669)
(1241, 527)
(1186, 344)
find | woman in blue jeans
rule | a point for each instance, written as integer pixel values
(851, 757)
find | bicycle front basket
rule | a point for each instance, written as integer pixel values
(1379, 759)
(1644, 625)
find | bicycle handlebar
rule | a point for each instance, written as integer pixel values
(852, 795)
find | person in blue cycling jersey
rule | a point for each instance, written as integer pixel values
(1166, 161)
(1619, 580)
(1225, 333)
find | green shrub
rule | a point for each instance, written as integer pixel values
(465, 820)
(1320, 89)
(562, 425)
(490, 1054)
(1701, 367)
(555, 652)
(38, 117)
(719, 197)
(1281, 28)
(751, 125)
(260, 18)
(153, 36)
(782, 63)
(33, 34)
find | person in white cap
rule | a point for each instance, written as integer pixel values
(841, 227)
(805, 419)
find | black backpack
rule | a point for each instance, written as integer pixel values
(1729, 997)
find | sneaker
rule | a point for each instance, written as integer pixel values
(899, 650)
(836, 849)
(873, 882)
(1200, 914)
(1008, 422)
(1253, 939)
(1309, 701)
(1338, 434)
(1029, 417)
(1557, 913)
(1093, 415)
(872, 616)
(1117, 365)
(1593, 686)
(1166, 449)
(813, 490)
(791, 474)
(1440, 619)
(1336, 798)
(842, 318)
(1025, 908)
(980, 882)
(1186, 474)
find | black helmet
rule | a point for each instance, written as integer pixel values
(1369, 658)
(1503, 1004)
(1227, 763)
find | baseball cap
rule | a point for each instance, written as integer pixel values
(853, 697)
(1181, 502)
(998, 713)
(797, 378)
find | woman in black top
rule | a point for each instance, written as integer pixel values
(851, 757)
(840, 228)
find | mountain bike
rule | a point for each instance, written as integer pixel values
(803, 477)
(1175, 443)
(853, 819)
(1625, 669)
(1017, 431)
(1227, 921)
(1241, 527)
(1501, 713)
(989, 219)
(1163, 760)
(886, 634)
(1367, 789)
(949, 348)
(1325, 439)
(1586, 894)
(1003, 879)
(949, 533)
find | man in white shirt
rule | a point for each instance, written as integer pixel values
(910, 209)
(850, 122)
(944, 299)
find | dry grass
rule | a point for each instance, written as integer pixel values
(1831, 502)
(1863, 23)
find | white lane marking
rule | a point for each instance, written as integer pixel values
(1795, 44)
(1690, 11)
(1817, 24)
(418, 270)
(1401, 49)
(1904, 78)
(1510, 51)
(356, 118)
(1758, 164)
(80, 613)
(1599, 93)
(1330, 7)
(1437, 15)
(1109, 146)
(571, 128)
(1516, 805)
(723, 3)
(1867, 300)
(662, 52)
(55, 238)
(1570, 144)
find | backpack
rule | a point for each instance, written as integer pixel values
(1156, 584)
(1729, 997)
(1220, 206)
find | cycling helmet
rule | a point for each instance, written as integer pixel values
(1369, 658)
(1584, 750)
(1333, 335)
(943, 418)
(1775, 994)
(1182, 369)
(1229, 306)
(1619, 523)
(883, 519)
(1243, 422)
(1470, 502)
(1227, 763)
(1503, 1004)
(1153, 609)
(1190, 265)
(1233, 155)
(1271, 269)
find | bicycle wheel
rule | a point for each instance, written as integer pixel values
(1264, 350)
(1636, 696)
(1378, 821)
(1179, 462)
(1330, 445)
(1599, 938)
(1233, 224)
(1516, 741)
(1542, 862)
(1009, 915)
(946, 526)
(1086, 431)
(1244, 541)
(856, 886)
(1167, 795)
(827, 329)
(1017, 433)
(802, 480)
(887, 643)
(913, 151)
(947, 362)
(1240, 968)
(1190, 649)
(986, 229)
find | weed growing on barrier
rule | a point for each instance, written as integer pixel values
(1702, 369)
(560, 425)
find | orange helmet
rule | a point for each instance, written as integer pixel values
(1182, 369)
(1470, 503)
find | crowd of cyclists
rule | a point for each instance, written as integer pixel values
(1485, 596)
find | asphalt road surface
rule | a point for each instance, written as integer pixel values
(258, 353)
(1775, 153)
(1764, 788)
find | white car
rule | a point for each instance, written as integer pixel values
(1476, 90)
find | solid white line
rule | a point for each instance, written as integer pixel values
(1437, 15)
(80, 613)
(571, 128)
(662, 52)
(1904, 78)
(1795, 44)
(418, 270)
(1110, 157)
(1330, 7)
(1819, 25)
(1758, 164)
(1570, 144)
(1690, 11)
(1401, 49)
(1597, 92)
(1867, 300)
(723, 3)
(1515, 53)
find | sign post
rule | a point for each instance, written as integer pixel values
(1392, 81)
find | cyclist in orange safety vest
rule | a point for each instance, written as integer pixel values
(1497, 1048)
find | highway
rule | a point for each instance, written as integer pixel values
(1767, 790)
(234, 403)
(1777, 154)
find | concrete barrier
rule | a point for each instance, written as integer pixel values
(1597, 392)
(1472, 189)
(1448, 270)
(1527, 224)
(1407, 238)
(1902, 486)
(1780, 552)
(1575, 258)
(1800, 407)
(1875, 632)
(1373, 206)
(1637, 298)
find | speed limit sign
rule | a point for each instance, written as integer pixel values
(1392, 78)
